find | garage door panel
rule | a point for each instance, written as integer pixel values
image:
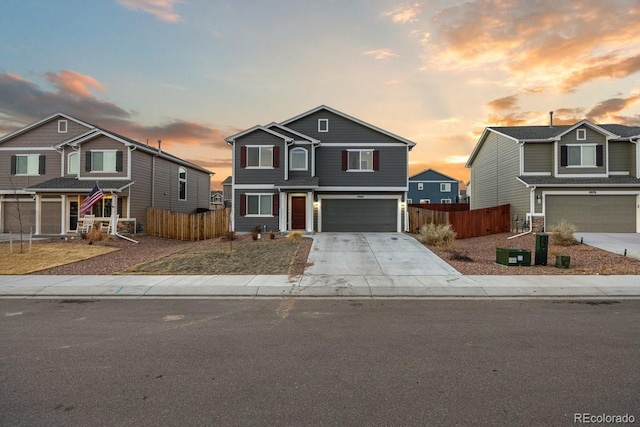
(359, 215)
(595, 213)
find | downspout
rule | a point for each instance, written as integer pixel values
(532, 198)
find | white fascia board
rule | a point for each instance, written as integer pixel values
(362, 189)
(41, 121)
(480, 143)
(411, 144)
(75, 139)
(232, 139)
(27, 148)
(589, 124)
(301, 135)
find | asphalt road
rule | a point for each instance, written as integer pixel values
(301, 362)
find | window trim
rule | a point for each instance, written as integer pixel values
(425, 201)
(115, 163)
(182, 181)
(77, 154)
(581, 135)
(323, 125)
(445, 201)
(445, 187)
(260, 147)
(259, 195)
(28, 156)
(63, 126)
(582, 147)
(306, 159)
(420, 186)
(360, 150)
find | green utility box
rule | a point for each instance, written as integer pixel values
(510, 256)
(542, 249)
(563, 261)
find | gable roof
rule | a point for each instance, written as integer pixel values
(232, 139)
(94, 131)
(286, 130)
(552, 133)
(434, 172)
(43, 121)
(410, 144)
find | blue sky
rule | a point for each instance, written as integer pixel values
(191, 72)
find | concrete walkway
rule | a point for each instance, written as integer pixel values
(369, 286)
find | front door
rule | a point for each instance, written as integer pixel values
(298, 212)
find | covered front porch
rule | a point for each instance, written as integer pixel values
(297, 204)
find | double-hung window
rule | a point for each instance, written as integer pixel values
(72, 163)
(581, 155)
(103, 161)
(445, 187)
(259, 157)
(259, 204)
(360, 160)
(26, 164)
(298, 159)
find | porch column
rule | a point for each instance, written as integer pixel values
(309, 211)
(114, 214)
(38, 214)
(282, 211)
(63, 214)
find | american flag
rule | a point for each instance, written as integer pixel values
(93, 197)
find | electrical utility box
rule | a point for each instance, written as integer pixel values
(542, 249)
(510, 256)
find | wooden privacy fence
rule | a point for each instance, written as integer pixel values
(449, 207)
(182, 226)
(466, 224)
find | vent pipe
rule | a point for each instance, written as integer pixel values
(159, 145)
(550, 119)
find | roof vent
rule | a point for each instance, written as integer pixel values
(550, 119)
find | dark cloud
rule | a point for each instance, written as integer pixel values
(610, 107)
(506, 103)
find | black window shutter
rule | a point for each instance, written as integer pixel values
(119, 161)
(243, 204)
(13, 165)
(87, 163)
(564, 155)
(243, 157)
(599, 155)
(376, 160)
(41, 163)
(345, 160)
(276, 157)
(275, 205)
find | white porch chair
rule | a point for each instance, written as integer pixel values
(85, 224)
(108, 227)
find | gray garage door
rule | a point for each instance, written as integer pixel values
(359, 215)
(17, 213)
(597, 213)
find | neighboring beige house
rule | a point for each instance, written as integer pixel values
(50, 166)
(584, 174)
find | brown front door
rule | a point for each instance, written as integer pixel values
(298, 213)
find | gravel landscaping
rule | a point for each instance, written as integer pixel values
(156, 255)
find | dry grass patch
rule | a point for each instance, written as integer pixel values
(46, 255)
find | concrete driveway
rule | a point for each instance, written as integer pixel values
(613, 242)
(373, 254)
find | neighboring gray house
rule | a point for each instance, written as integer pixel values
(431, 186)
(319, 171)
(217, 200)
(585, 174)
(50, 166)
(227, 193)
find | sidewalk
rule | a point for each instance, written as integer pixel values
(139, 286)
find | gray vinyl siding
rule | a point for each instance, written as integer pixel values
(140, 192)
(247, 223)
(392, 170)
(634, 157)
(258, 176)
(45, 135)
(592, 138)
(103, 143)
(493, 176)
(538, 157)
(20, 182)
(51, 216)
(620, 156)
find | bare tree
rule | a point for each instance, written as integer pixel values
(18, 212)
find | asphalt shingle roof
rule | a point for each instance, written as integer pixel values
(80, 186)
(309, 182)
(547, 132)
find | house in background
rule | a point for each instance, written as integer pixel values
(217, 200)
(50, 166)
(322, 170)
(585, 174)
(431, 186)
(227, 194)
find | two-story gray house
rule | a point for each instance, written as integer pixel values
(585, 174)
(431, 186)
(322, 170)
(48, 167)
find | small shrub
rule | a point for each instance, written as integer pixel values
(562, 234)
(437, 235)
(94, 235)
(294, 236)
